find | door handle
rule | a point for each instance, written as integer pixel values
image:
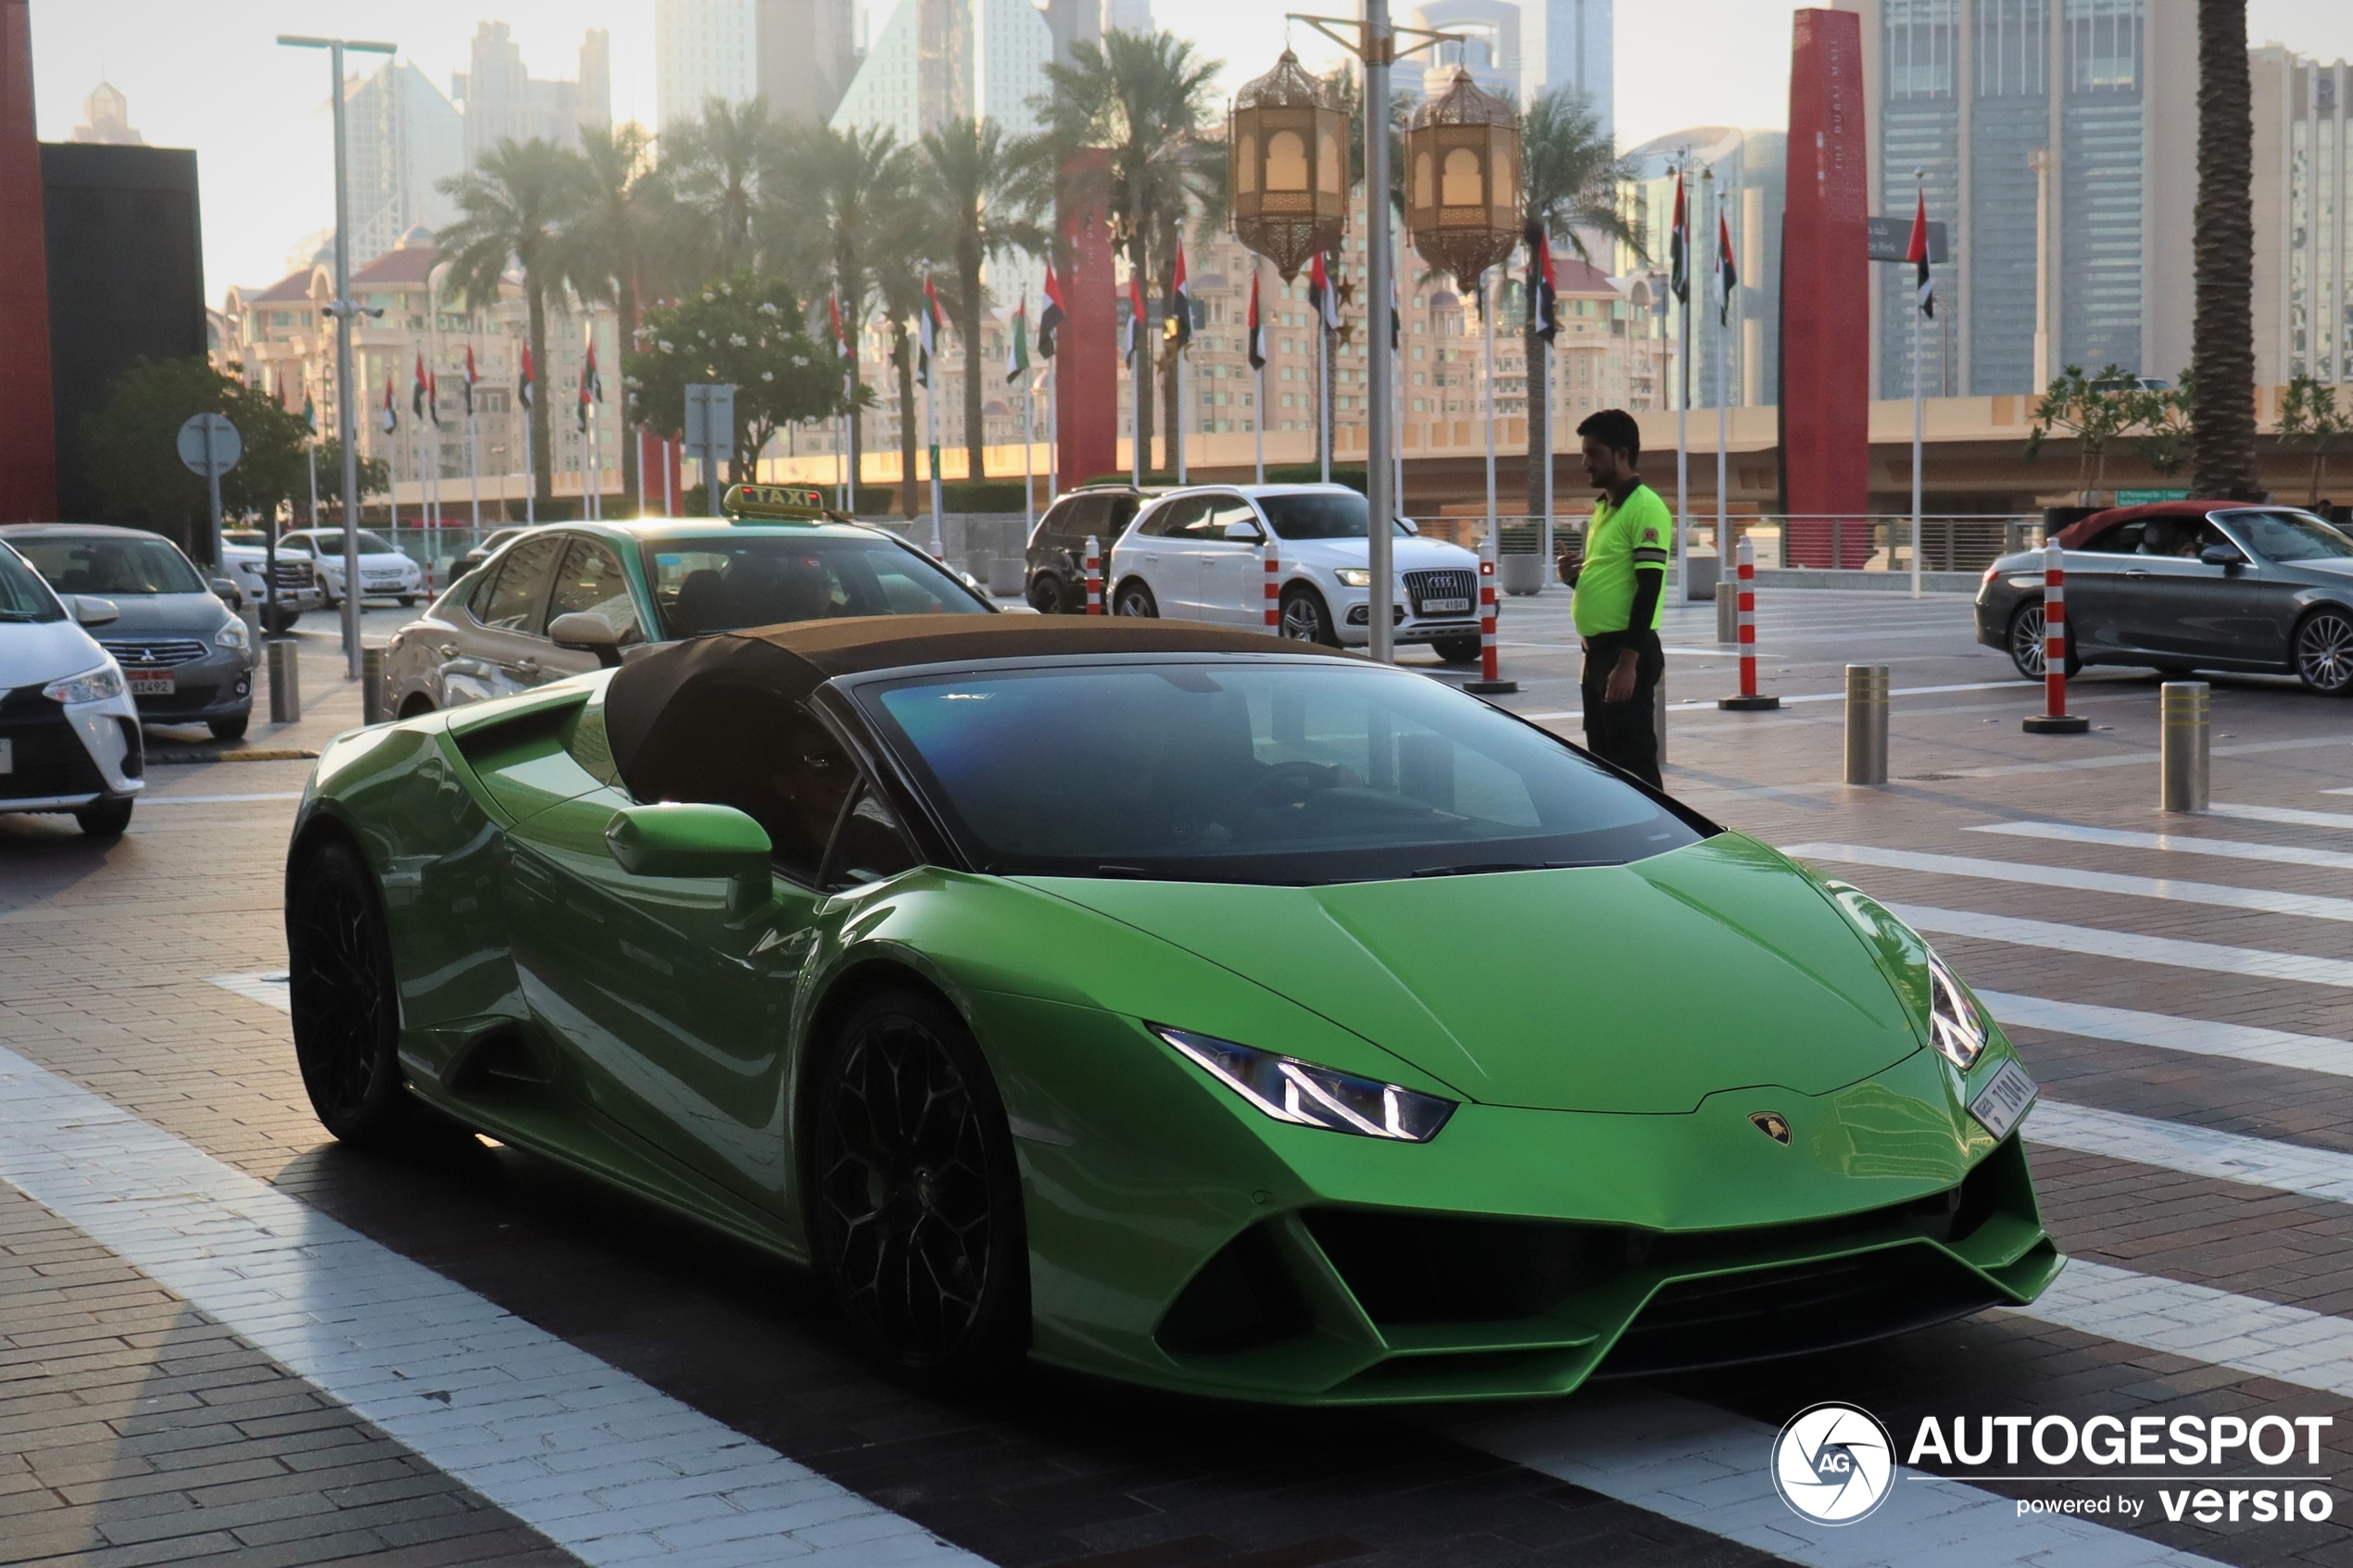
(2136, 571)
(448, 650)
(525, 665)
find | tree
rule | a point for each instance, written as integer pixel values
(2093, 410)
(130, 447)
(1570, 175)
(2163, 423)
(375, 475)
(517, 207)
(2222, 249)
(904, 227)
(970, 180)
(615, 239)
(2310, 417)
(721, 168)
(744, 330)
(1144, 98)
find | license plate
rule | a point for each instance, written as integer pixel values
(7, 755)
(1445, 606)
(152, 683)
(2004, 1099)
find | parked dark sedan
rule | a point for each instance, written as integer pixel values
(1057, 552)
(2186, 585)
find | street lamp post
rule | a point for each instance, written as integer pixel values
(342, 310)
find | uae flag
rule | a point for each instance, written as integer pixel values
(927, 331)
(1049, 319)
(1917, 253)
(1542, 290)
(1678, 248)
(1178, 329)
(525, 380)
(309, 411)
(1133, 337)
(1017, 342)
(392, 414)
(841, 338)
(592, 385)
(1727, 277)
(420, 392)
(1321, 296)
(1257, 339)
(1396, 323)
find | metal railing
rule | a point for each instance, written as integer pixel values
(1950, 542)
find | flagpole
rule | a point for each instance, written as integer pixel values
(1487, 326)
(1259, 424)
(1723, 370)
(931, 440)
(1323, 376)
(1135, 386)
(1179, 421)
(1683, 419)
(1920, 179)
(1028, 452)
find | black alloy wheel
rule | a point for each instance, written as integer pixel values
(916, 1206)
(1046, 593)
(2324, 651)
(1136, 598)
(1305, 618)
(347, 1016)
(1457, 650)
(2026, 643)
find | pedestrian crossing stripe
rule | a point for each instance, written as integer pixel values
(2197, 1036)
(2097, 942)
(2173, 843)
(2306, 906)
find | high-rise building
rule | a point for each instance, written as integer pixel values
(1071, 23)
(2303, 199)
(937, 60)
(2056, 139)
(502, 101)
(1735, 352)
(1522, 48)
(1490, 49)
(105, 117)
(808, 52)
(1571, 48)
(405, 139)
(1127, 16)
(703, 49)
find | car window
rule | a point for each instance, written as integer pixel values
(1171, 519)
(330, 541)
(2123, 539)
(23, 598)
(1224, 513)
(511, 600)
(781, 767)
(724, 582)
(868, 845)
(100, 564)
(591, 582)
(1063, 526)
(1320, 514)
(2290, 536)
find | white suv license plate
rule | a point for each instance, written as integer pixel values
(1446, 607)
(2003, 1099)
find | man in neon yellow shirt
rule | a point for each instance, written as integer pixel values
(1617, 600)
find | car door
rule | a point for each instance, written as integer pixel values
(1233, 589)
(590, 581)
(2176, 606)
(2100, 617)
(2260, 601)
(496, 648)
(1167, 559)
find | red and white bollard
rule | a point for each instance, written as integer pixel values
(2055, 720)
(1749, 701)
(1094, 576)
(1489, 681)
(1274, 589)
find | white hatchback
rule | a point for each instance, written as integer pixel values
(69, 729)
(1198, 555)
(385, 572)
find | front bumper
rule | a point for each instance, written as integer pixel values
(218, 686)
(63, 758)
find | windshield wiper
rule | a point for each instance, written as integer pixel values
(1482, 868)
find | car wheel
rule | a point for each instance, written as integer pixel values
(1136, 598)
(105, 819)
(1457, 650)
(1305, 618)
(917, 1214)
(281, 621)
(2324, 649)
(1046, 593)
(408, 601)
(232, 728)
(2026, 643)
(346, 1021)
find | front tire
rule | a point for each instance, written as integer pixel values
(347, 1016)
(1046, 593)
(2322, 648)
(2025, 642)
(1457, 650)
(916, 1201)
(408, 601)
(105, 819)
(232, 728)
(1136, 598)
(1306, 619)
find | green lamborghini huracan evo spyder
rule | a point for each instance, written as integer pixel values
(1180, 1004)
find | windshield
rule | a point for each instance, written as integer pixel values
(729, 582)
(1320, 515)
(23, 598)
(110, 565)
(2284, 536)
(331, 543)
(1276, 772)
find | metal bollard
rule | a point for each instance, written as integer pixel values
(371, 686)
(1866, 723)
(2055, 720)
(2184, 708)
(1094, 567)
(1490, 681)
(1728, 612)
(285, 680)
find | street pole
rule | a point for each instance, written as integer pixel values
(1179, 421)
(212, 486)
(1028, 454)
(1920, 177)
(342, 310)
(1135, 357)
(931, 442)
(1323, 399)
(1383, 494)
(1723, 372)
(1487, 326)
(1683, 436)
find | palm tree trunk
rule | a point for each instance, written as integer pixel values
(2223, 355)
(902, 352)
(633, 493)
(1540, 454)
(543, 481)
(976, 423)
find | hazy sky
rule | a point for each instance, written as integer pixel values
(206, 74)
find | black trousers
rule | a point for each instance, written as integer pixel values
(1624, 733)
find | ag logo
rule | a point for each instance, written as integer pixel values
(1833, 1463)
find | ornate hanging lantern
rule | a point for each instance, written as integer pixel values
(1462, 180)
(1286, 157)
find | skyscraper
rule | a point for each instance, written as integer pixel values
(808, 53)
(405, 139)
(703, 49)
(937, 60)
(2303, 217)
(502, 100)
(1522, 48)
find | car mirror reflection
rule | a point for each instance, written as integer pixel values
(2221, 554)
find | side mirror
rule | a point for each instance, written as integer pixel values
(580, 630)
(1409, 525)
(1245, 531)
(695, 840)
(91, 610)
(2225, 555)
(225, 590)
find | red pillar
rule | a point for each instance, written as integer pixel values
(1826, 317)
(29, 449)
(1086, 356)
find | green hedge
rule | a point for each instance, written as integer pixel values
(1350, 474)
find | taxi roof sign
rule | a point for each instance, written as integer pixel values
(776, 503)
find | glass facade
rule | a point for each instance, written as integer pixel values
(1919, 129)
(2100, 179)
(2010, 118)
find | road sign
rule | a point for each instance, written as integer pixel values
(710, 428)
(210, 459)
(1891, 237)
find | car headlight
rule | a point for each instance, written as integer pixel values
(1353, 576)
(1307, 1095)
(1954, 1027)
(94, 686)
(233, 636)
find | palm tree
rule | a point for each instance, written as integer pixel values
(2222, 350)
(614, 242)
(904, 227)
(970, 181)
(720, 166)
(1144, 98)
(516, 206)
(1569, 180)
(847, 192)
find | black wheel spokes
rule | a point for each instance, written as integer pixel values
(338, 997)
(2028, 640)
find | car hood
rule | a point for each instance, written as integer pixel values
(1412, 554)
(180, 615)
(35, 652)
(1639, 989)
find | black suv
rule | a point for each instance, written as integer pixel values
(1057, 554)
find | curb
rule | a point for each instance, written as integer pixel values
(253, 754)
